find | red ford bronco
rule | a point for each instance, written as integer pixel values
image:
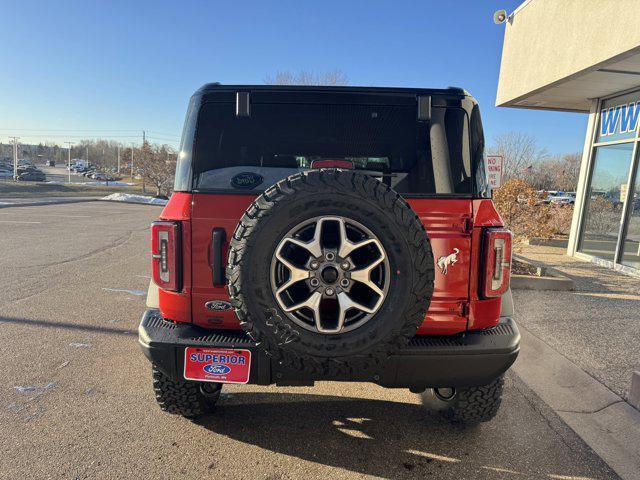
(331, 233)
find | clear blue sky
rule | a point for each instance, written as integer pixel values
(132, 65)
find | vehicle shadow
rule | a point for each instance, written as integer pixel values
(69, 326)
(366, 436)
(382, 438)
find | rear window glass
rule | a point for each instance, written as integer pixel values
(240, 154)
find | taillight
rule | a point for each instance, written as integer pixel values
(497, 262)
(165, 253)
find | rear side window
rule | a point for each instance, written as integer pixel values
(241, 154)
(182, 182)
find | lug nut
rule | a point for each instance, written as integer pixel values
(330, 256)
(344, 283)
(345, 265)
(314, 264)
(329, 291)
(314, 282)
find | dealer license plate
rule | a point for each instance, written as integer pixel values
(217, 365)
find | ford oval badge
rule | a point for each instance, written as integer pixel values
(218, 306)
(246, 180)
(216, 369)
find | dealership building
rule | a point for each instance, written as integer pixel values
(584, 56)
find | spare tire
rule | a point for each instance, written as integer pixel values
(330, 271)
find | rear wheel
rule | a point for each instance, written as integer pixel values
(189, 399)
(469, 406)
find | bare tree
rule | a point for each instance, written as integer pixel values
(555, 173)
(568, 171)
(157, 164)
(520, 152)
(334, 77)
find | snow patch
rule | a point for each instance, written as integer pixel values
(92, 183)
(139, 293)
(131, 198)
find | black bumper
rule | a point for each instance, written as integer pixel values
(464, 360)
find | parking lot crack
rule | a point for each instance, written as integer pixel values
(592, 411)
(114, 244)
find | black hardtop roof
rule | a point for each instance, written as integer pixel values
(217, 87)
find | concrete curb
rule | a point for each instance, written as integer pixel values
(604, 421)
(132, 203)
(548, 242)
(45, 202)
(549, 279)
(527, 282)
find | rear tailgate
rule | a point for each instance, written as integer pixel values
(447, 222)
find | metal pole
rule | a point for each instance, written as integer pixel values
(15, 156)
(144, 146)
(118, 158)
(69, 158)
(132, 163)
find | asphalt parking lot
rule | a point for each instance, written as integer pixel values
(77, 402)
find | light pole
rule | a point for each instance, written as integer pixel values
(15, 157)
(69, 159)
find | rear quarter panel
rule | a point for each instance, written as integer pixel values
(448, 225)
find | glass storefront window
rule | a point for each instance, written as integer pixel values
(604, 200)
(631, 245)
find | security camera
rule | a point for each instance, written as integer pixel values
(500, 17)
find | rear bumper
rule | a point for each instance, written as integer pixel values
(471, 359)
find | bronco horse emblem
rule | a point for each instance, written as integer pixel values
(445, 261)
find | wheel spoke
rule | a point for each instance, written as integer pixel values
(312, 246)
(295, 274)
(364, 276)
(312, 303)
(347, 303)
(347, 246)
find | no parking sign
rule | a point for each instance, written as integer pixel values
(494, 167)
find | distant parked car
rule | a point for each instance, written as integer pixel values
(50, 163)
(27, 168)
(103, 177)
(32, 176)
(566, 199)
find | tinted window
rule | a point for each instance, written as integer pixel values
(250, 153)
(182, 182)
(482, 188)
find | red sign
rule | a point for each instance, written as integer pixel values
(494, 167)
(217, 365)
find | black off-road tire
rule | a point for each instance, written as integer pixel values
(183, 397)
(326, 192)
(470, 406)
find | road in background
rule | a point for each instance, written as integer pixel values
(59, 173)
(77, 401)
